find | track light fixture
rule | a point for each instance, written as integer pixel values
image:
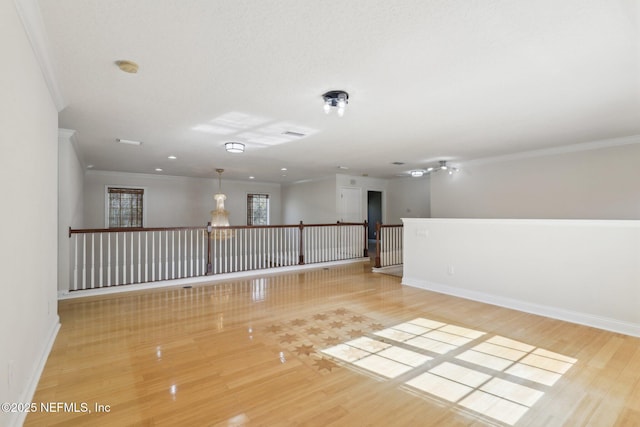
(442, 166)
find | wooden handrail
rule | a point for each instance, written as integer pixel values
(231, 227)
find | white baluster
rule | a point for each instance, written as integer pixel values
(191, 252)
(179, 252)
(101, 262)
(131, 262)
(139, 256)
(117, 278)
(75, 262)
(173, 254)
(153, 256)
(109, 259)
(146, 256)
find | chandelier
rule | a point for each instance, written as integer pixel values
(220, 216)
(335, 99)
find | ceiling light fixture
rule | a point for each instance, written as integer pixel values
(442, 166)
(417, 173)
(335, 99)
(220, 216)
(172, 157)
(234, 147)
(127, 66)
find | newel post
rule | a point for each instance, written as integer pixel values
(301, 249)
(366, 238)
(377, 261)
(209, 264)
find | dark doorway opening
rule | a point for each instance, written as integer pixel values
(374, 212)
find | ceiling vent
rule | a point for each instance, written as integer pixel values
(292, 133)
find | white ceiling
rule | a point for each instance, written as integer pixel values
(427, 79)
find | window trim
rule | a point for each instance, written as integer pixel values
(134, 187)
(268, 207)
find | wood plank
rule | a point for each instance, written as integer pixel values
(249, 352)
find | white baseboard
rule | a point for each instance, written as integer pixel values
(608, 324)
(30, 390)
(201, 279)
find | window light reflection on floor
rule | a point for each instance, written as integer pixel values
(510, 376)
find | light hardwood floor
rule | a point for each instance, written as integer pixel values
(330, 347)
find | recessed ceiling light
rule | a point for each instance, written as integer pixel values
(90, 166)
(158, 169)
(172, 157)
(128, 141)
(283, 169)
(343, 167)
(397, 163)
(252, 177)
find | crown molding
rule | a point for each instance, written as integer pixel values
(573, 148)
(69, 135)
(64, 134)
(31, 18)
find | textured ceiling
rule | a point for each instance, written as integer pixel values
(428, 80)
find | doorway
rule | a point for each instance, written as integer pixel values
(374, 212)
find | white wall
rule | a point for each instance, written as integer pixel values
(602, 182)
(312, 202)
(70, 200)
(318, 201)
(583, 271)
(173, 201)
(28, 248)
(364, 183)
(408, 198)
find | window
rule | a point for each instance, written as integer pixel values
(125, 207)
(257, 209)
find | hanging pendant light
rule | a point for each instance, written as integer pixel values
(220, 216)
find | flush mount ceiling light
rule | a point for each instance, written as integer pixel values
(234, 147)
(417, 173)
(335, 99)
(442, 166)
(127, 66)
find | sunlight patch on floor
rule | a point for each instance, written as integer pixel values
(496, 377)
